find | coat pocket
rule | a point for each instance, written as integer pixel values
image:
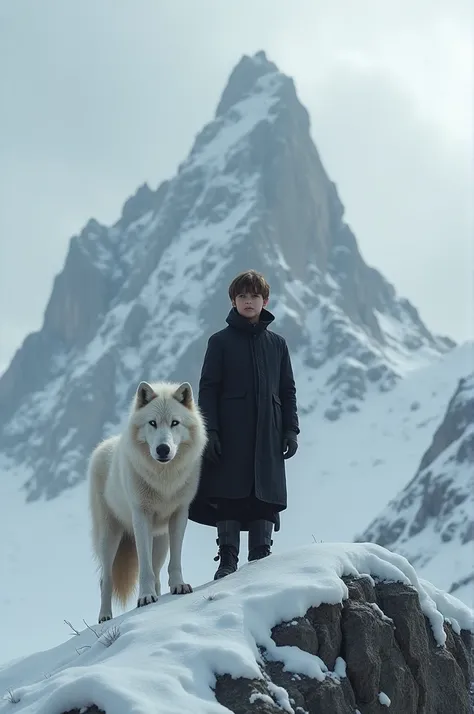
(277, 414)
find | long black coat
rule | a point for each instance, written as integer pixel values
(247, 394)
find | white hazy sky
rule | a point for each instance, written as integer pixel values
(98, 96)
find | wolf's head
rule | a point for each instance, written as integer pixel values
(164, 416)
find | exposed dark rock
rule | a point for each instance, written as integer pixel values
(467, 580)
(243, 696)
(374, 661)
(90, 710)
(297, 633)
(388, 647)
(326, 620)
(138, 204)
(361, 589)
(459, 413)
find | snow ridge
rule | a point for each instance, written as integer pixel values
(166, 657)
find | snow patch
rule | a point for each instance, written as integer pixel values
(380, 612)
(384, 699)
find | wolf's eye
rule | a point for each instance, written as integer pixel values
(152, 423)
(175, 422)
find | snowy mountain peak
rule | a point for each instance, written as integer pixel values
(137, 205)
(138, 299)
(246, 79)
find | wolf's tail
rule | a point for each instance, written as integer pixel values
(125, 569)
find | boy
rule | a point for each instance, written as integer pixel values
(247, 395)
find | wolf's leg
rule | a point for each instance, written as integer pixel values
(144, 542)
(177, 527)
(160, 551)
(107, 550)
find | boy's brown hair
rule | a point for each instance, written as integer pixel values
(249, 281)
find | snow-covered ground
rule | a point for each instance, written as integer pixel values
(47, 573)
(343, 475)
(165, 657)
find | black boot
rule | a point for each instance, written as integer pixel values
(228, 540)
(260, 539)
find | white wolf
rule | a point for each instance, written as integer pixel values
(140, 486)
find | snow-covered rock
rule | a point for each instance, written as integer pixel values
(431, 521)
(328, 628)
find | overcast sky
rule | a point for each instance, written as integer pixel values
(98, 96)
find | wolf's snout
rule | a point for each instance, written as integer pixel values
(163, 451)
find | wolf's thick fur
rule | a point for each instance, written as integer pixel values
(140, 486)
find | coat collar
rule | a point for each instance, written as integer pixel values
(241, 323)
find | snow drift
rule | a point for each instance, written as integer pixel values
(368, 631)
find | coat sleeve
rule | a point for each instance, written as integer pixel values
(288, 393)
(210, 383)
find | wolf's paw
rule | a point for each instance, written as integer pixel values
(181, 589)
(146, 600)
(104, 616)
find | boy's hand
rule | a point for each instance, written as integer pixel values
(290, 444)
(213, 448)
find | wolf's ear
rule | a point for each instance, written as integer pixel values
(145, 394)
(184, 394)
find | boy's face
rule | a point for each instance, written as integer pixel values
(250, 305)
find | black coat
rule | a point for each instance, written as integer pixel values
(247, 394)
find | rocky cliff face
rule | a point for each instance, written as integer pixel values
(434, 512)
(386, 646)
(139, 299)
(380, 651)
